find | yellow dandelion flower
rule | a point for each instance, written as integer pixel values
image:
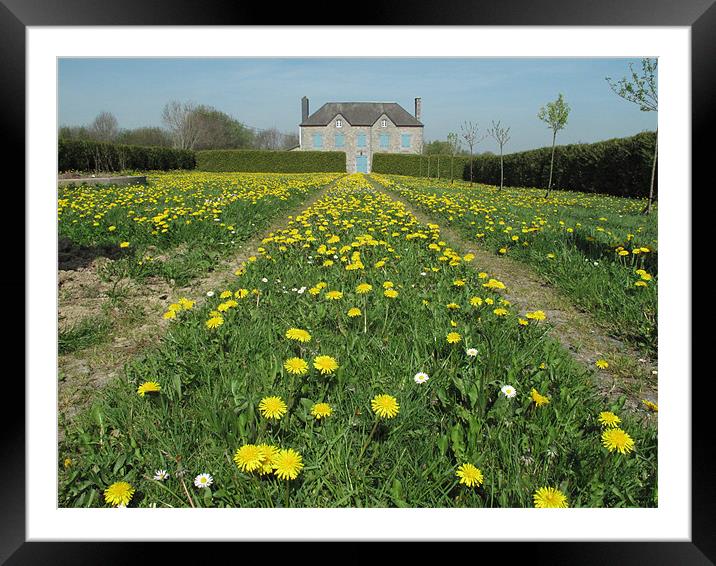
(523, 321)
(539, 400)
(385, 406)
(321, 411)
(124, 245)
(614, 438)
(500, 311)
(214, 322)
(248, 458)
(226, 294)
(148, 387)
(325, 364)
(453, 338)
(607, 418)
(119, 494)
(354, 312)
(186, 304)
(268, 455)
(549, 497)
(287, 464)
(536, 315)
(470, 475)
(296, 366)
(651, 406)
(298, 335)
(390, 293)
(602, 364)
(476, 301)
(364, 288)
(169, 315)
(272, 407)
(334, 295)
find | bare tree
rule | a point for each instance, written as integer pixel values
(184, 123)
(469, 134)
(104, 128)
(453, 146)
(501, 135)
(271, 138)
(642, 90)
(555, 115)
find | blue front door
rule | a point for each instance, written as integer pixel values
(361, 164)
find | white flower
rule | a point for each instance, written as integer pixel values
(160, 475)
(423, 273)
(421, 377)
(203, 480)
(472, 352)
(264, 280)
(301, 291)
(508, 391)
(210, 293)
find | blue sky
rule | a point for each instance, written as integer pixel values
(266, 92)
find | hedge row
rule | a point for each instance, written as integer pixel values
(419, 165)
(620, 166)
(76, 155)
(265, 161)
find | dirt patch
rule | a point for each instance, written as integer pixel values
(629, 373)
(135, 309)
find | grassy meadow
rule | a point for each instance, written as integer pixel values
(356, 359)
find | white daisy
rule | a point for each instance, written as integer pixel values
(264, 280)
(472, 352)
(160, 475)
(421, 377)
(203, 480)
(508, 391)
(210, 293)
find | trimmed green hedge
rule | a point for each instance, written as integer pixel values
(419, 165)
(619, 166)
(265, 161)
(73, 155)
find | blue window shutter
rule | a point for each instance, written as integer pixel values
(340, 140)
(405, 140)
(361, 140)
(317, 140)
(384, 138)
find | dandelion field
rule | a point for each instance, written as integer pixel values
(356, 360)
(599, 250)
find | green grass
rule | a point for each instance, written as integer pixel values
(571, 239)
(213, 380)
(86, 333)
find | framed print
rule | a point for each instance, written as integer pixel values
(391, 280)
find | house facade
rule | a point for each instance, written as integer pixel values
(361, 129)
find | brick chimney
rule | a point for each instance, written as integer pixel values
(304, 109)
(418, 108)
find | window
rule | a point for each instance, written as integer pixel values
(383, 123)
(317, 140)
(384, 140)
(340, 140)
(360, 142)
(405, 140)
(339, 123)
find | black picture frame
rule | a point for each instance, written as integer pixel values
(17, 15)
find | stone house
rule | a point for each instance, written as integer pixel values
(361, 129)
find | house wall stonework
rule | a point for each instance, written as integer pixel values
(372, 139)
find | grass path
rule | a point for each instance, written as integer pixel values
(629, 372)
(136, 312)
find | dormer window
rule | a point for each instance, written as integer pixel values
(339, 123)
(383, 123)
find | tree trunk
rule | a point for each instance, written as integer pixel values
(647, 210)
(438, 167)
(451, 160)
(502, 170)
(551, 165)
(471, 167)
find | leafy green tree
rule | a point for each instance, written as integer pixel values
(555, 115)
(642, 90)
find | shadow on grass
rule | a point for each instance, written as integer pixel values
(71, 256)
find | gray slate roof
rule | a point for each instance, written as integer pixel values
(361, 114)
